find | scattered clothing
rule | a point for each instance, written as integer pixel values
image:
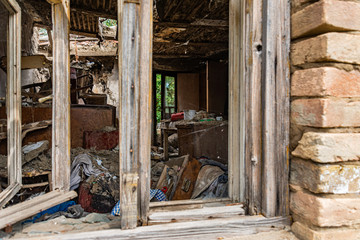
(154, 194)
(84, 161)
(61, 207)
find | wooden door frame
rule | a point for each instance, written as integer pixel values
(259, 41)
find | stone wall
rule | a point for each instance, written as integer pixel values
(325, 119)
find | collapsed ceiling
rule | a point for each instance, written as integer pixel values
(186, 32)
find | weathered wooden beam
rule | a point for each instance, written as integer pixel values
(61, 97)
(54, 1)
(283, 108)
(29, 208)
(221, 24)
(31, 62)
(129, 95)
(276, 108)
(9, 193)
(236, 101)
(98, 13)
(146, 35)
(253, 55)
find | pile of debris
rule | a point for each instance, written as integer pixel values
(184, 178)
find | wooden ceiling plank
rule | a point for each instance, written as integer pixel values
(88, 22)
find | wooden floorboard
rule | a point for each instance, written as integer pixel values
(206, 229)
(196, 214)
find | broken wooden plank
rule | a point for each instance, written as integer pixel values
(61, 96)
(196, 214)
(31, 62)
(30, 127)
(31, 207)
(9, 193)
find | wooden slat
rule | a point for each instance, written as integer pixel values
(73, 18)
(83, 22)
(146, 36)
(282, 108)
(129, 90)
(110, 3)
(236, 113)
(204, 230)
(253, 52)
(276, 107)
(104, 4)
(88, 23)
(196, 214)
(61, 97)
(37, 205)
(269, 114)
(9, 193)
(77, 14)
(11, 210)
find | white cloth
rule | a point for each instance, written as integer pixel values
(84, 161)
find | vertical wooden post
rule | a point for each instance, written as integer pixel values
(253, 52)
(129, 109)
(145, 106)
(283, 108)
(61, 96)
(276, 107)
(13, 101)
(13, 94)
(236, 103)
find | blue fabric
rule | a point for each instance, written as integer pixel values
(157, 193)
(62, 207)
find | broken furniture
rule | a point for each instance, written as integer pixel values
(26, 128)
(83, 118)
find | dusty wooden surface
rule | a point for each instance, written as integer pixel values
(129, 110)
(61, 140)
(236, 100)
(276, 89)
(253, 55)
(205, 229)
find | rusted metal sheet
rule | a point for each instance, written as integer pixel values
(101, 140)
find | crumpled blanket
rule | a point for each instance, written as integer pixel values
(84, 161)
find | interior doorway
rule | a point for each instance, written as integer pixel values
(190, 150)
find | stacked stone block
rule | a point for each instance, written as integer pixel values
(325, 119)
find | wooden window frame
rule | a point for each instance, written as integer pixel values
(13, 101)
(61, 116)
(259, 78)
